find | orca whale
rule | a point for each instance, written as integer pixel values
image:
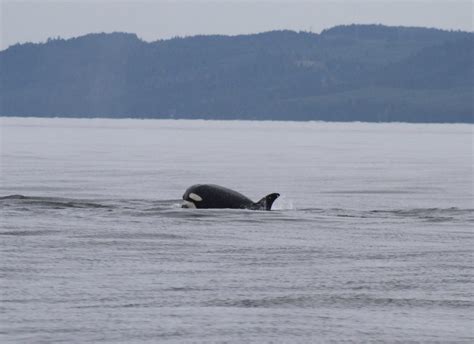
(210, 196)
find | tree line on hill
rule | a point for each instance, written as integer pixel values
(346, 73)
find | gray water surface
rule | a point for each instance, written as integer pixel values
(371, 239)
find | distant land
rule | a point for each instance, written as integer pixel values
(347, 73)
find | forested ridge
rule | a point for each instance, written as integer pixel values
(346, 73)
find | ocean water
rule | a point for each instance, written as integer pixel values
(371, 239)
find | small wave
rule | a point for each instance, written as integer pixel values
(27, 233)
(133, 236)
(171, 208)
(429, 214)
(356, 301)
(13, 197)
(423, 214)
(268, 302)
(368, 192)
(51, 202)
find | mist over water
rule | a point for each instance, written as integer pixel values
(370, 240)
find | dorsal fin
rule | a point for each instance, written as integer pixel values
(266, 202)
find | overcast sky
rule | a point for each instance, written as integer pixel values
(35, 20)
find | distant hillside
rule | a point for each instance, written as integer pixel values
(346, 73)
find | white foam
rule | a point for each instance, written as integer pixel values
(187, 204)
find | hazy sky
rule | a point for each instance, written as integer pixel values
(36, 20)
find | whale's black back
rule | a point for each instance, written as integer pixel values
(219, 197)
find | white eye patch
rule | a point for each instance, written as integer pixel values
(195, 197)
